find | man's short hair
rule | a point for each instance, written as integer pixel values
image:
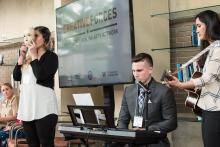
(143, 57)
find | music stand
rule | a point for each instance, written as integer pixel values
(89, 116)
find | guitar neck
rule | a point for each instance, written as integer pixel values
(176, 71)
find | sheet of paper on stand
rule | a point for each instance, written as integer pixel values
(85, 99)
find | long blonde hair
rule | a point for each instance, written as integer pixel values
(29, 37)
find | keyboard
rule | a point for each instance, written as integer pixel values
(113, 134)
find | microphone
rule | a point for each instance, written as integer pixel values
(146, 89)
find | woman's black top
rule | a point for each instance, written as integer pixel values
(43, 69)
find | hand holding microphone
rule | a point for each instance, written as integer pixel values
(33, 50)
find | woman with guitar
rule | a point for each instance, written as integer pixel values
(208, 29)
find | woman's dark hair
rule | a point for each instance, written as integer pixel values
(45, 33)
(142, 57)
(212, 22)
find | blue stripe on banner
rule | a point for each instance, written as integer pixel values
(180, 73)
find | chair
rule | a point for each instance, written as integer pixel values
(13, 140)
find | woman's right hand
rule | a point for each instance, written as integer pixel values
(23, 51)
(174, 82)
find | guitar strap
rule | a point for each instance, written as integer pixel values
(213, 45)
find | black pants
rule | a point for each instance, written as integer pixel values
(211, 128)
(41, 131)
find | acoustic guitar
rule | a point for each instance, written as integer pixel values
(193, 94)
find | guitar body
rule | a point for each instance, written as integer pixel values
(193, 97)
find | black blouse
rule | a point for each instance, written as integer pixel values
(43, 69)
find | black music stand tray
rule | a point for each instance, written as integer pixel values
(89, 116)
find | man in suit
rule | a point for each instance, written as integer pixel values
(162, 114)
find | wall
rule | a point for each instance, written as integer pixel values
(152, 32)
(177, 5)
(10, 59)
(17, 15)
(180, 36)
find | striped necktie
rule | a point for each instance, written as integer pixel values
(141, 100)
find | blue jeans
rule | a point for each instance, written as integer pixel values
(3, 138)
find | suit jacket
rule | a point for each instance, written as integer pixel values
(162, 114)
